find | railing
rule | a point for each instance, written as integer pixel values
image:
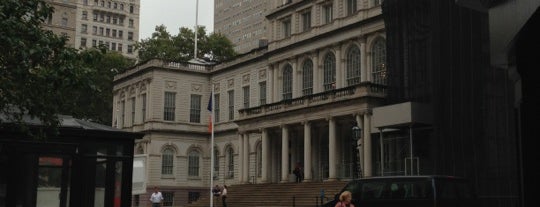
(364, 89)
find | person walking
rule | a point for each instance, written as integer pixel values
(224, 195)
(345, 200)
(156, 198)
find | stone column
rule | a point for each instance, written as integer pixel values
(368, 167)
(276, 93)
(307, 151)
(265, 153)
(363, 63)
(339, 69)
(332, 171)
(241, 157)
(245, 163)
(316, 74)
(270, 85)
(295, 79)
(284, 154)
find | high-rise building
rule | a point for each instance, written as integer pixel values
(242, 21)
(90, 23)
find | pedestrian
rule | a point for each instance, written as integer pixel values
(345, 200)
(298, 172)
(224, 195)
(156, 198)
(216, 191)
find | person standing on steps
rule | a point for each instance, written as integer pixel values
(156, 198)
(224, 195)
(298, 172)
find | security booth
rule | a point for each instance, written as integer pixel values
(84, 164)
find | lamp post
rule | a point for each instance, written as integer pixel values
(356, 135)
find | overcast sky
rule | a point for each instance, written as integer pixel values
(174, 14)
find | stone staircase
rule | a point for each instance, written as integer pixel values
(275, 195)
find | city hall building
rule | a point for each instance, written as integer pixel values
(346, 89)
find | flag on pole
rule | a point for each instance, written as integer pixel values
(210, 110)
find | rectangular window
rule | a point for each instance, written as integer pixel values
(115, 20)
(169, 106)
(262, 93)
(195, 109)
(107, 32)
(83, 42)
(113, 33)
(168, 199)
(95, 17)
(286, 28)
(246, 97)
(193, 165)
(113, 46)
(216, 108)
(130, 35)
(132, 111)
(327, 13)
(351, 7)
(84, 15)
(94, 30)
(120, 47)
(130, 49)
(193, 196)
(101, 31)
(120, 34)
(130, 23)
(143, 100)
(84, 28)
(64, 21)
(94, 43)
(306, 21)
(231, 105)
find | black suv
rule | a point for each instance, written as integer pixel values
(410, 191)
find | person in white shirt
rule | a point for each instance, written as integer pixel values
(156, 198)
(224, 195)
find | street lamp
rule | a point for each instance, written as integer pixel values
(356, 135)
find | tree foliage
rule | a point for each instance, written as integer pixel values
(180, 48)
(41, 77)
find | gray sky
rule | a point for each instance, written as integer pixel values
(174, 14)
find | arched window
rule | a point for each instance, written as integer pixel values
(230, 162)
(216, 163)
(353, 66)
(287, 82)
(259, 160)
(193, 163)
(307, 77)
(329, 69)
(378, 52)
(167, 161)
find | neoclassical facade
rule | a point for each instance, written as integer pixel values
(294, 101)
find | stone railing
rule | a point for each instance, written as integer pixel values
(361, 90)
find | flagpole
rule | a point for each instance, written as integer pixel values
(196, 29)
(212, 146)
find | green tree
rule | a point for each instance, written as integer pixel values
(39, 75)
(180, 47)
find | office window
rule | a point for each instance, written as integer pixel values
(107, 32)
(167, 161)
(262, 93)
(121, 6)
(195, 109)
(109, 4)
(231, 105)
(84, 28)
(216, 108)
(130, 49)
(108, 19)
(351, 7)
(327, 13)
(378, 56)
(113, 33)
(102, 3)
(353, 66)
(120, 34)
(133, 111)
(131, 9)
(246, 97)
(64, 21)
(193, 163)
(94, 43)
(113, 46)
(230, 162)
(130, 35)
(307, 77)
(101, 31)
(84, 15)
(286, 27)
(306, 21)
(115, 20)
(101, 17)
(83, 42)
(95, 17)
(168, 199)
(287, 82)
(329, 69)
(169, 106)
(143, 100)
(130, 23)
(115, 5)
(120, 46)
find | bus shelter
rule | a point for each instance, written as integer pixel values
(85, 165)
